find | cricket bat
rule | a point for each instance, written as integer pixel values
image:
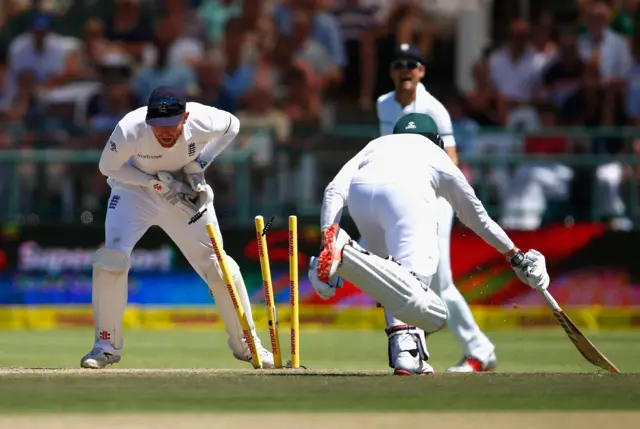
(582, 343)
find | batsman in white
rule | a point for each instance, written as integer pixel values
(155, 162)
(392, 189)
(410, 96)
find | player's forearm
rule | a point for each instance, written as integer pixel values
(473, 214)
(332, 205)
(491, 233)
(127, 174)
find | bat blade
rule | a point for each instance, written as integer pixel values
(582, 343)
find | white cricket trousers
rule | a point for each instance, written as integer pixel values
(132, 210)
(401, 220)
(473, 342)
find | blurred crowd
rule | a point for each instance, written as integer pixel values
(549, 75)
(70, 69)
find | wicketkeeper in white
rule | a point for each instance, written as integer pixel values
(392, 189)
(155, 162)
(410, 96)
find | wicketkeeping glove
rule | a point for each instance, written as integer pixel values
(194, 175)
(531, 269)
(176, 193)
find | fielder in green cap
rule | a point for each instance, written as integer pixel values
(392, 188)
(419, 123)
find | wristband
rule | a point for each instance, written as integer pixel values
(516, 260)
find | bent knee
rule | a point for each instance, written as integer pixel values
(426, 311)
(214, 270)
(111, 259)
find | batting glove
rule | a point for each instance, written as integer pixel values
(531, 269)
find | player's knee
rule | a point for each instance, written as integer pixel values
(425, 310)
(111, 259)
(213, 270)
(234, 268)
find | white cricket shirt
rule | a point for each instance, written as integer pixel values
(389, 111)
(134, 156)
(415, 161)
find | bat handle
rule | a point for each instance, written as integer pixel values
(549, 300)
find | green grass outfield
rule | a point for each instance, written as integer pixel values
(193, 371)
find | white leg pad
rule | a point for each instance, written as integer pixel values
(225, 307)
(398, 290)
(109, 295)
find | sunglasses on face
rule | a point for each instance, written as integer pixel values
(166, 105)
(405, 64)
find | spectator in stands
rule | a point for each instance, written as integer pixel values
(211, 91)
(486, 105)
(22, 109)
(536, 183)
(181, 50)
(359, 22)
(3, 75)
(130, 26)
(563, 78)
(263, 128)
(543, 37)
(236, 55)
(115, 99)
(39, 51)
(254, 14)
(15, 20)
(325, 29)
(310, 54)
(624, 18)
(413, 26)
(163, 71)
(603, 45)
(303, 104)
(633, 84)
(465, 129)
(83, 63)
(215, 14)
(193, 26)
(515, 69)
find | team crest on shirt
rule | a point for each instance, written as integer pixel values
(192, 149)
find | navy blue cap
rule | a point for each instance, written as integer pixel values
(407, 51)
(41, 21)
(166, 107)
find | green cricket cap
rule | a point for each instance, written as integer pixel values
(416, 123)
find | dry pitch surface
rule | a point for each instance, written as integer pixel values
(502, 420)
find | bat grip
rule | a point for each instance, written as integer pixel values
(549, 300)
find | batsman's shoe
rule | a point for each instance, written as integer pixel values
(333, 240)
(409, 363)
(471, 364)
(265, 356)
(98, 358)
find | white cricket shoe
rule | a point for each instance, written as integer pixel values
(408, 364)
(265, 356)
(471, 364)
(98, 358)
